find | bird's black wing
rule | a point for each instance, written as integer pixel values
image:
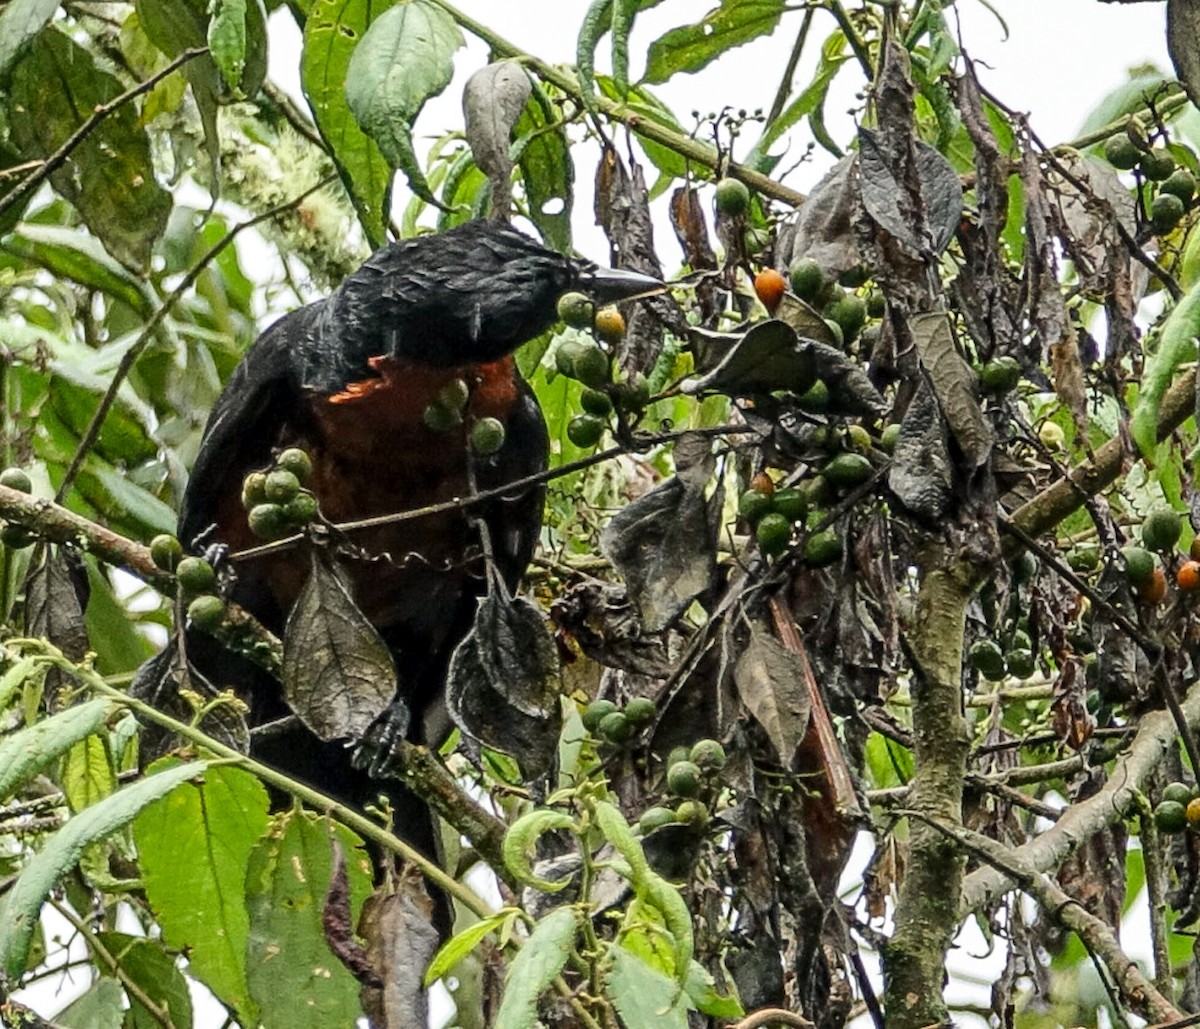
(261, 397)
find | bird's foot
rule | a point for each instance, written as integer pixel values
(377, 751)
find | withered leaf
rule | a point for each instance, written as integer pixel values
(1183, 34)
(954, 384)
(941, 195)
(401, 941)
(770, 682)
(56, 592)
(805, 319)
(664, 543)
(850, 388)
(920, 475)
(517, 651)
(824, 231)
(687, 219)
(769, 357)
(493, 100)
(338, 674)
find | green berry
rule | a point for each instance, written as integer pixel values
(594, 713)
(487, 436)
(890, 437)
(1181, 184)
(1020, 663)
(752, 505)
(281, 486)
(691, 812)
(807, 279)
(1165, 213)
(269, 521)
(708, 754)
(678, 754)
(1120, 152)
(301, 509)
(684, 779)
(655, 818)
(1000, 375)
(773, 533)
(733, 197)
(847, 470)
(1170, 817)
(16, 478)
(254, 489)
(576, 310)
(791, 503)
(1161, 529)
(195, 575)
(591, 366)
(567, 353)
(166, 552)
(585, 430)
(297, 462)
(17, 537)
(206, 612)
(988, 658)
(641, 710)
(615, 727)
(439, 418)
(816, 400)
(1158, 164)
(595, 401)
(823, 548)
(454, 395)
(1178, 793)
(850, 314)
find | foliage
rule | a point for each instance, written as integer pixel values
(882, 517)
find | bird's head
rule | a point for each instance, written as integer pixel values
(469, 295)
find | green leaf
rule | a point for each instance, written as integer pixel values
(692, 47)
(227, 39)
(543, 155)
(20, 22)
(20, 907)
(109, 177)
(700, 987)
(294, 977)
(129, 508)
(645, 105)
(1177, 344)
(88, 775)
(73, 254)
(644, 996)
(596, 22)
(101, 1007)
(535, 967)
(460, 945)
(149, 967)
(25, 753)
(200, 902)
(332, 29)
(111, 628)
(404, 59)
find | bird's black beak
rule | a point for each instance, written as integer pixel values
(608, 285)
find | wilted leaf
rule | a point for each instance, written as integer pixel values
(23, 901)
(403, 59)
(338, 674)
(768, 358)
(921, 475)
(517, 652)
(401, 941)
(493, 99)
(607, 628)
(331, 32)
(664, 543)
(692, 47)
(109, 178)
(954, 385)
(534, 968)
(770, 681)
(850, 388)
(825, 230)
(884, 196)
(55, 596)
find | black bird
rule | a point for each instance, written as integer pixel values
(348, 379)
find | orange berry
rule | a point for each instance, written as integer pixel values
(1188, 576)
(609, 324)
(770, 287)
(1154, 589)
(1193, 811)
(763, 483)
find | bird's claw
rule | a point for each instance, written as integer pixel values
(376, 752)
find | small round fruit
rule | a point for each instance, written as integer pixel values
(195, 575)
(1000, 375)
(591, 366)
(769, 287)
(633, 394)
(678, 754)
(1161, 529)
(610, 327)
(1154, 591)
(166, 552)
(1020, 663)
(1188, 576)
(1181, 184)
(585, 430)
(438, 418)
(297, 461)
(254, 489)
(282, 485)
(763, 483)
(615, 727)
(641, 711)
(487, 436)
(823, 548)
(576, 310)
(206, 612)
(1052, 435)
(858, 437)
(1120, 152)
(595, 712)
(816, 400)
(1178, 793)
(835, 331)
(1158, 164)
(684, 779)
(269, 521)
(16, 478)
(1192, 810)
(733, 198)
(301, 509)
(566, 354)
(453, 396)
(595, 401)
(1170, 817)
(1085, 557)
(1139, 564)
(847, 470)
(655, 818)
(691, 812)
(791, 503)
(850, 313)
(773, 533)
(1165, 213)
(709, 755)
(807, 278)
(17, 537)
(988, 658)
(752, 505)
(889, 437)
